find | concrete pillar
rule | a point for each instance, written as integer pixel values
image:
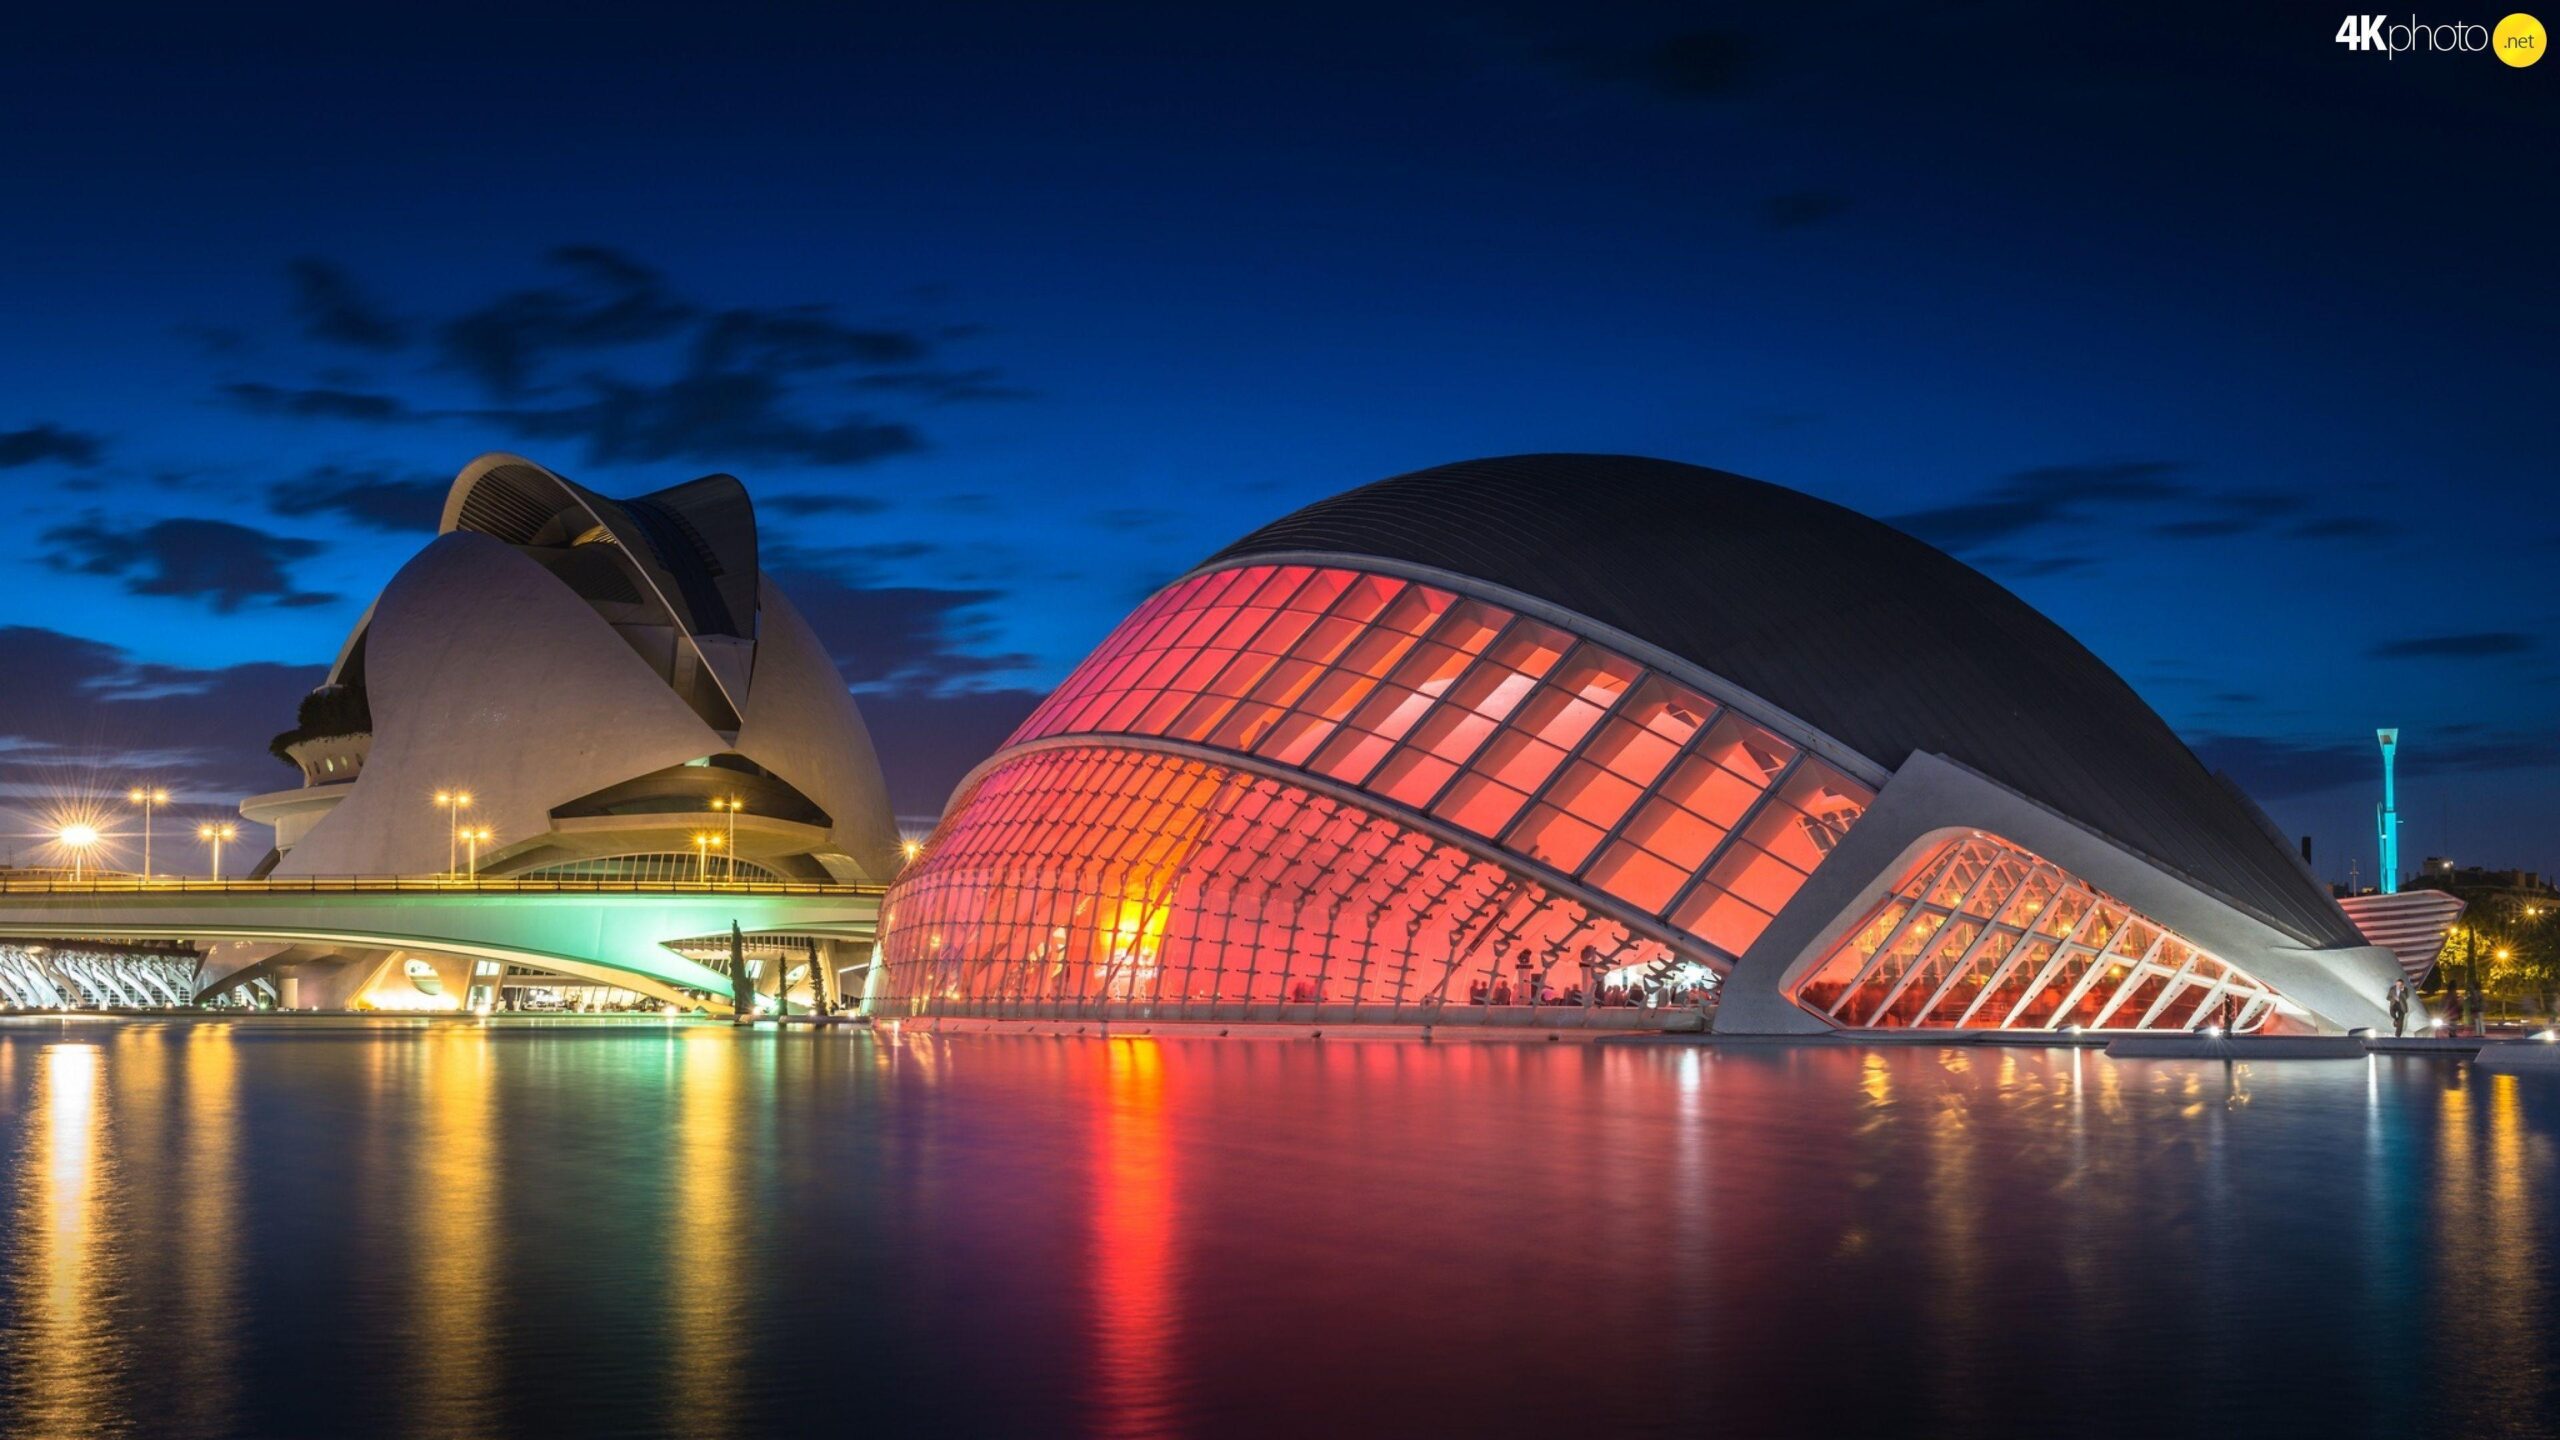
(288, 992)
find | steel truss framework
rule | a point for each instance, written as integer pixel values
(1983, 934)
(56, 977)
(1547, 745)
(1110, 880)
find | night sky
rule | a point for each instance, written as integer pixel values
(2230, 349)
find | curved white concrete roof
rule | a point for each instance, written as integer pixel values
(801, 724)
(488, 675)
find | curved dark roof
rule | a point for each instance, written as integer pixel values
(1885, 643)
(696, 542)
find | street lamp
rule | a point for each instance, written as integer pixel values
(729, 864)
(911, 849)
(215, 835)
(475, 839)
(77, 838)
(147, 796)
(703, 845)
(453, 803)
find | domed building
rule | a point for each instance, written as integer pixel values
(1577, 739)
(606, 690)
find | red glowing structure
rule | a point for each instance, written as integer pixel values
(1984, 935)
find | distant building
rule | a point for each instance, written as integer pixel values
(1587, 739)
(592, 674)
(626, 699)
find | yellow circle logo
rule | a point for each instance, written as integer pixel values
(2519, 40)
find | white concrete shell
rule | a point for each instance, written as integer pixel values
(490, 676)
(552, 644)
(801, 724)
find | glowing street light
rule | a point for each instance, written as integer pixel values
(729, 865)
(703, 845)
(911, 849)
(475, 839)
(147, 796)
(453, 803)
(76, 838)
(214, 835)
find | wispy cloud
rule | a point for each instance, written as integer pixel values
(381, 499)
(334, 308)
(2467, 645)
(216, 561)
(38, 443)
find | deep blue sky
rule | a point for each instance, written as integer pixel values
(2230, 349)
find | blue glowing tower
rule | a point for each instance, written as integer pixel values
(2386, 820)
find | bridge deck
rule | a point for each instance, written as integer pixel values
(426, 885)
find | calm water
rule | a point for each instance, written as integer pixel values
(342, 1228)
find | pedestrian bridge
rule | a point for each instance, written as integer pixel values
(609, 932)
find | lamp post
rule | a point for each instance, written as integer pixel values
(77, 839)
(910, 849)
(147, 796)
(215, 835)
(475, 839)
(703, 845)
(453, 803)
(729, 863)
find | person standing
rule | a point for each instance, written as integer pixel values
(2399, 1008)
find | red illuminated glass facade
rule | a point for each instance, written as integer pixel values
(1544, 745)
(1116, 879)
(1982, 934)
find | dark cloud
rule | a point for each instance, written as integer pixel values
(103, 719)
(2206, 527)
(1707, 63)
(1134, 519)
(2148, 493)
(947, 387)
(719, 419)
(2033, 567)
(748, 384)
(2468, 645)
(927, 742)
(916, 639)
(2275, 769)
(216, 561)
(2041, 497)
(2342, 527)
(316, 403)
(332, 307)
(605, 299)
(804, 337)
(1799, 208)
(837, 504)
(48, 442)
(380, 499)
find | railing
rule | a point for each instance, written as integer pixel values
(424, 885)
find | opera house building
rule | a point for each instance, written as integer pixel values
(567, 687)
(1551, 740)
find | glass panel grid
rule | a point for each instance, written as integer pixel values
(1553, 747)
(1238, 889)
(1984, 934)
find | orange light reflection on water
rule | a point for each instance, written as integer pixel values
(1134, 1280)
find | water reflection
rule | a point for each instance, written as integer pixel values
(318, 1229)
(1133, 1244)
(2488, 1253)
(210, 1228)
(454, 1226)
(63, 1349)
(706, 1301)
